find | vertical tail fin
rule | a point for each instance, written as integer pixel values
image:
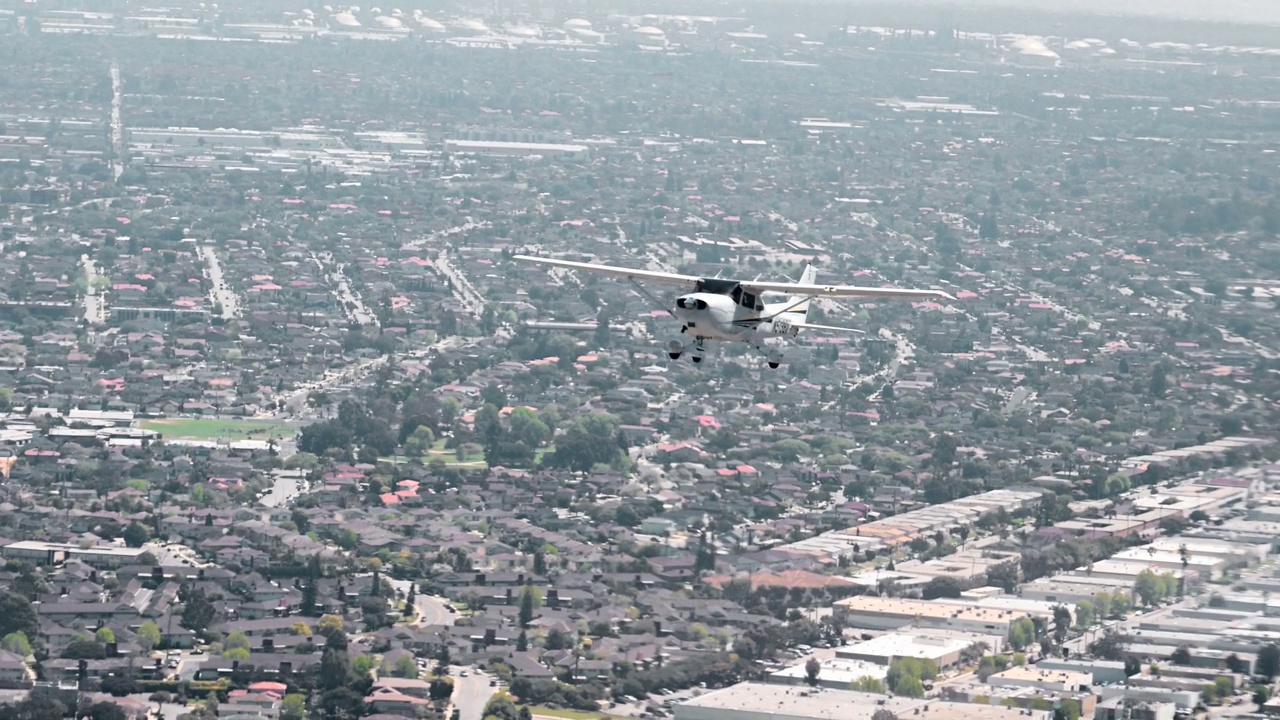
(809, 277)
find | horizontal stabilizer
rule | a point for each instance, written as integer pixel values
(827, 328)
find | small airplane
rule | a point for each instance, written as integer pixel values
(734, 310)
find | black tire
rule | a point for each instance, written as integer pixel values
(773, 366)
(696, 359)
(674, 356)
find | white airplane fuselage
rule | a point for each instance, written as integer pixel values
(712, 316)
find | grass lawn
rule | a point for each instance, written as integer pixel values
(219, 429)
(537, 710)
(473, 461)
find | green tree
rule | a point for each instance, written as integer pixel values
(105, 711)
(441, 688)
(906, 676)
(1084, 614)
(105, 635)
(330, 625)
(293, 707)
(868, 684)
(1268, 663)
(591, 440)
(941, 587)
(528, 603)
(1261, 694)
(405, 667)
(236, 640)
(335, 668)
(1151, 588)
(149, 635)
(239, 654)
(908, 686)
(528, 428)
(1022, 632)
(136, 535)
(1061, 623)
(419, 443)
(17, 615)
(197, 612)
(811, 669)
(16, 643)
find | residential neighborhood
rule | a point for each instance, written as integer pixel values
(288, 432)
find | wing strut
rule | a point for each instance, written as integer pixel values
(653, 299)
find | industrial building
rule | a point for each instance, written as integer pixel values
(943, 651)
(493, 147)
(836, 673)
(758, 701)
(881, 613)
(1042, 680)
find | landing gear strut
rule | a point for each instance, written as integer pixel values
(699, 351)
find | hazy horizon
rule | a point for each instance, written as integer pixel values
(1222, 11)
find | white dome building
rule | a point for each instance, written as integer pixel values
(471, 27)
(1033, 52)
(429, 25)
(386, 22)
(523, 31)
(575, 24)
(649, 35)
(346, 20)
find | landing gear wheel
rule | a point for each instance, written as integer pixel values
(675, 349)
(773, 366)
(696, 358)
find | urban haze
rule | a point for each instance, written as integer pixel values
(540, 359)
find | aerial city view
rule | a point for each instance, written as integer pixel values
(552, 359)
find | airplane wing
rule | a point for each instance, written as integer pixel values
(619, 272)
(799, 290)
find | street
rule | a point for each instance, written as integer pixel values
(466, 294)
(219, 293)
(95, 301)
(287, 486)
(471, 693)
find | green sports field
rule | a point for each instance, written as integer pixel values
(219, 429)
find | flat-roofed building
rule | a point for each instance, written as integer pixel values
(1183, 699)
(758, 701)
(1127, 570)
(1118, 708)
(1235, 554)
(1103, 671)
(1071, 589)
(100, 417)
(881, 613)
(1205, 567)
(495, 147)
(967, 566)
(46, 553)
(1042, 679)
(943, 651)
(835, 673)
(1119, 526)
